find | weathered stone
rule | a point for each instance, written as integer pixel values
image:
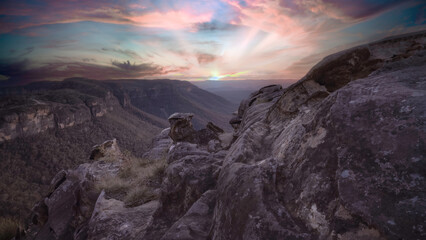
(181, 129)
(160, 146)
(112, 220)
(190, 173)
(214, 128)
(108, 149)
(196, 222)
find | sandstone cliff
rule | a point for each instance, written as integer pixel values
(338, 155)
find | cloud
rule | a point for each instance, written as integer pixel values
(204, 58)
(22, 72)
(89, 60)
(362, 8)
(214, 26)
(346, 10)
(27, 51)
(59, 43)
(24, 15)
(144, 68)
(125, 52)
(170, 19)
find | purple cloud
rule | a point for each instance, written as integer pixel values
(348, 8)
(22, 72)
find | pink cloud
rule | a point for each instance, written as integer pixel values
(170, 20)
(68, 12)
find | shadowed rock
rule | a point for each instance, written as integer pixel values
(181, 130)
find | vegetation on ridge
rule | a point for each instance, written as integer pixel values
(137, 181)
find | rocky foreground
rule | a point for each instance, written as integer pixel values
(338, 155)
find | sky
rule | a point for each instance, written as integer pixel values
(189, 39)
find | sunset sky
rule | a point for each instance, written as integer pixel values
(190, 40)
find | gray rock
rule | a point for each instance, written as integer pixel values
(160, 146)
(113, 221)
(191, 172)
(109, 149)
(196, 222)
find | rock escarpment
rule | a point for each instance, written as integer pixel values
(37, 116)
(338, 155)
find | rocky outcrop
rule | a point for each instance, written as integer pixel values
(327, 158)
(109, 150)
(336, 156)
(65, 212)
(111, 219)
(181, 129)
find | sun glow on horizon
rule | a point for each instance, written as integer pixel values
(215, 76)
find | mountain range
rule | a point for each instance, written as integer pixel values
(237, 90)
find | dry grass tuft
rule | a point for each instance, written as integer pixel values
(136, 182)
(8, 228)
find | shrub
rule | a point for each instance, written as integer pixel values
(136, 181)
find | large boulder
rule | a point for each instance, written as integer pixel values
(181, 130)
(112, 220)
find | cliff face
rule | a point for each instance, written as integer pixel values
(37, 116)
(338, 155)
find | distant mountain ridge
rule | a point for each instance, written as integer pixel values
(237, 90)
(48, 126)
